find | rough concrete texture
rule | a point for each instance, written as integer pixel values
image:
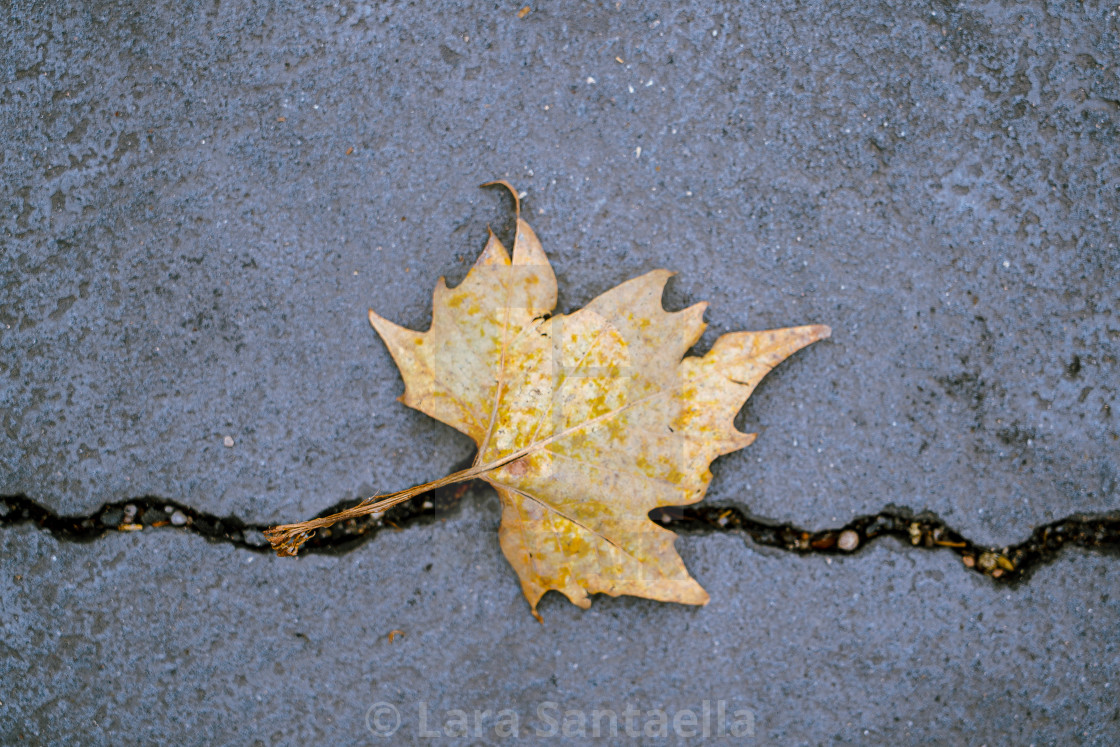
(211, 644)
(200, 202)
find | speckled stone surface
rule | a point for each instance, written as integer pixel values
(145, 638)
(200, 203)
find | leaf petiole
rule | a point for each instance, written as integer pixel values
(286, 539)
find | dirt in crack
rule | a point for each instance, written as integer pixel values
(1008, 564)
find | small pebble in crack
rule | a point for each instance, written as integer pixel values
(848, 540)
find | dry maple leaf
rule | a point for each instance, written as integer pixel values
(585, 422)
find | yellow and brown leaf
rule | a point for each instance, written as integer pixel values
(585, 421)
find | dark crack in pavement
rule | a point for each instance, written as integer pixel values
(1008, 564)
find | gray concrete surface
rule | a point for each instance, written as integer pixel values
(189, 245)
(204, 643)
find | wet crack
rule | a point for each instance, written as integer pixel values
(1007, 564)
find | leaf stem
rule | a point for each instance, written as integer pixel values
(286, 539)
